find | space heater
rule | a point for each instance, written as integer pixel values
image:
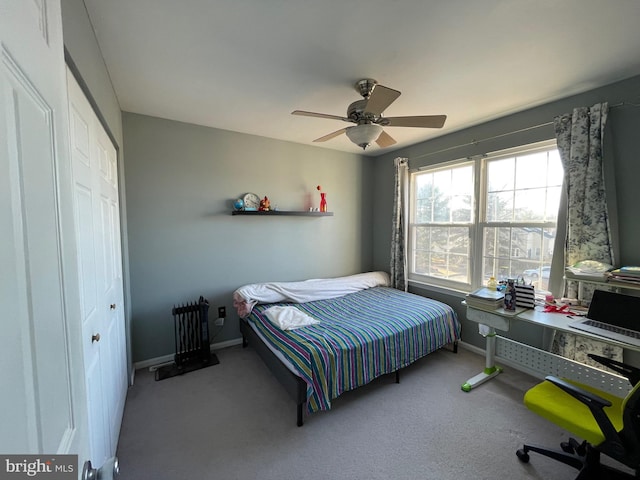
(193, 351)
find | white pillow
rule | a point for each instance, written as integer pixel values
(289, 318)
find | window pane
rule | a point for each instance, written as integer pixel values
(444, 196)
(503, 237)
(500, 206)
(534, 196)
(530, 205)
(423, 211)
(462, 194)
(500, 175)
(531, 171)
(512, 253)
(424, 198)
(555, 172)
(459, 240)
(520, 252)
(439, 239)
(421, 251)
(458, 268)
(548, 241)
(553, 202)
(442, 252)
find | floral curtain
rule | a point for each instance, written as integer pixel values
(398, 267)
(580, 137)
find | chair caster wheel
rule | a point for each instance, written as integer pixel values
(522, 456)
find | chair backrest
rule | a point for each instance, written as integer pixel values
(630, 433)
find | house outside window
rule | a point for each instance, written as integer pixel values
(490, 216)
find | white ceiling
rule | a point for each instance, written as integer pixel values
(245, 65)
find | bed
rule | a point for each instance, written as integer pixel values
(358, 329)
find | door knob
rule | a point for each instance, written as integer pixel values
(110, 470)
(95, 338)
(88, 472)
(112, 306)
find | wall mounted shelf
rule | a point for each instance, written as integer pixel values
(298, 213)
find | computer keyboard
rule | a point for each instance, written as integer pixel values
(613, 328)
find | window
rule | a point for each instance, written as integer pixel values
(493, 216)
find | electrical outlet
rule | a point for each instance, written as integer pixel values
(222, 312)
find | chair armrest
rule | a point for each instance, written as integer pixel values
(630, 373)
(578, 393)
(596, 405)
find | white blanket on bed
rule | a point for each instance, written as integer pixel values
(244, 298)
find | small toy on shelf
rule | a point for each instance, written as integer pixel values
(265, 205)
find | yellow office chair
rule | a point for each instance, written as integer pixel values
(607, 424)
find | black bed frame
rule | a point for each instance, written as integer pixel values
(293, 384)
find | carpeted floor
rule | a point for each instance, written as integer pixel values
(235, 421)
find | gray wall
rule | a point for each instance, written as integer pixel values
(622, 151)
(181, 180)
(81, 44)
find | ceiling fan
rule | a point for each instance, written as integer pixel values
(367, 115)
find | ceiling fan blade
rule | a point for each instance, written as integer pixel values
(385, 140)
(380, 99)
(424, 121)
(331, 135)
(320, 115)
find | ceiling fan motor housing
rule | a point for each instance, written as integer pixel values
(356, 112)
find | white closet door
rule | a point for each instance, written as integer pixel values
(97, 222)
(43, 406)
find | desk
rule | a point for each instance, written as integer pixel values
(501, 319)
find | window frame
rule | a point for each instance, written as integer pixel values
(479, 221)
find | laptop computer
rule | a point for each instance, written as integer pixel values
(614, 316)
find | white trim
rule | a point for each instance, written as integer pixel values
(522, 150)
(156, 362)
(66, 442)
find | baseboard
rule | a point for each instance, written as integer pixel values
(472, 348)
(154, 363)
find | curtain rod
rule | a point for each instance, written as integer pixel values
(625, 104)
(477, 142)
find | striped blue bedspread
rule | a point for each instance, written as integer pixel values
(361, 336)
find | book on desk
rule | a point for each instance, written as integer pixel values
(485, 299)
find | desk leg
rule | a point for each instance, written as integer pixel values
(490, 369)
(548, 335)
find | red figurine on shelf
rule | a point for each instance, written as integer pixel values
(323, 199)
(265, 205)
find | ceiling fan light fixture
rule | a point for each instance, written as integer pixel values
(365, 134)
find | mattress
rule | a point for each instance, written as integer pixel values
(360, 337)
